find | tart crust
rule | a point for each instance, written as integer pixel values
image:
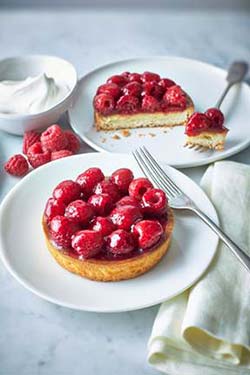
(112, 270)
(208, 139)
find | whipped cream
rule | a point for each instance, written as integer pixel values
(30, 96)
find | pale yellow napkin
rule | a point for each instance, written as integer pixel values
(206, 330)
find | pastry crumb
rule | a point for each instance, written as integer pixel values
(116, 137)
(103, 140)
(141, 135)
(125, 132)
(152, 134)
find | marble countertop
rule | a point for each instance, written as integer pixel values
(37, 337)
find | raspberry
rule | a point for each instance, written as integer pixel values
(125, 216)
(154, 201)
(53, 208)
(62, 230)
(138, 187)
(110, 88)
(37, 156)
(89, 179)
(73, 141)
(122, 178)
(150, 104)
(196, 123)
(148, 233)
(60, 154)
(128, 201)
(174, 96)
(165, 83)
(17, 165)
(216, 116)
(29, 139)
(132, 88)
(148, 76)
(54, 139)
(134, 77)
(103, 225)
(152, 88)
(118, 79)
(125, 74)
(120, 242)
(127, 104)
(67, 191)
(101, 203)
(107, 187)
(104, 103)
(79, 212)
(87, 243)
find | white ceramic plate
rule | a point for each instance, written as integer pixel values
(203, 82)
(23, 250)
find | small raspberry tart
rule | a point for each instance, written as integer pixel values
(133, 100)
(105, 236)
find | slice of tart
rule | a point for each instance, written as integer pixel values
(206, 130)
(133, 100)
(107, 229)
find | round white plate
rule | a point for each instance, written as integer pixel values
(202, 81)
(23, 250)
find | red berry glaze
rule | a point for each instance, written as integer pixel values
(120, 242)
(17, 165)
(67, 191)
(154, 201)
(104, 103)
(120, 80)
(79, 212)
(150, 104)
(132, 88)
(37, 156)
(89, 179)
(197, 123)
(175, 97)
(73, 141)
(107, 187)
(53, 139)
(216, 116)
(149, 76)
(125, 216)
(148, 233)
(122, 178)
(60, 154)
(87, 243)
(62, 230)
(127, 104)
(138, 187)
(109, 88)
(103, 225)
(53, 208)
(101, 203)
(29, 139)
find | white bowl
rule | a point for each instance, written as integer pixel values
(19, 68)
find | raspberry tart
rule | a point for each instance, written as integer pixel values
(107, 229)
(206, 129)
(133, 100)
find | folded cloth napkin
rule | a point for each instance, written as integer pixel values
(206, 330)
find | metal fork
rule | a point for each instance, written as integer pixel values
(179, 200)
(236, 73)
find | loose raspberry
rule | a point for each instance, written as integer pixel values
(79, 212)
(104, 103)
(54, 139)
(125, 216)
(153, 89)
(134, 77)
(216, 116)
(17, 165)
(127, 104)
(197, 123)
(154, 201)
(103, 225)
(60, 154)
(67, 191)
(53, 208)
(37, 156)
(120, 242)
(120, 80)
(29, 139)
(122, 178)
(110, 88)
(132, 88)
(62, 230)
(148, 232)
(149, 76)
(101, 203)
(87, 243)
(175, 97)
(138, 187)
(107, 187)
(128, 201)
(73, 141)
(89, 179)
(150, 104)
(165, 83)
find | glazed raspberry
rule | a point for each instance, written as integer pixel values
(132, 88)
(134, 77)
(60, 154)
(148, 76)
(73, 141)
(128, 201)
(62, 230)
(89, 179)
(37, 156)
(152, 88)
(150, 104)
(29, 139)
(79, 212)
(165, 83)
(175, 97)
(120, 80)
(110, 88)
(125, 74)
(104, 103)
(127, 104)
(107, 187)
(125, 216)
(138, 187)
(17, 165)
(54, 139)
(120, 242)
(53, 208)
(197, 123)
(67, 191)
(87, 243)
(216, 116)
(148, 233)
(101, 203)
(154, 201)
(122, 178)
(103, 225)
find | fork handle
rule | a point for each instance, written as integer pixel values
(236, 250)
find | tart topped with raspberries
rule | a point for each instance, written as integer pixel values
(107, 228)
(133, 100)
